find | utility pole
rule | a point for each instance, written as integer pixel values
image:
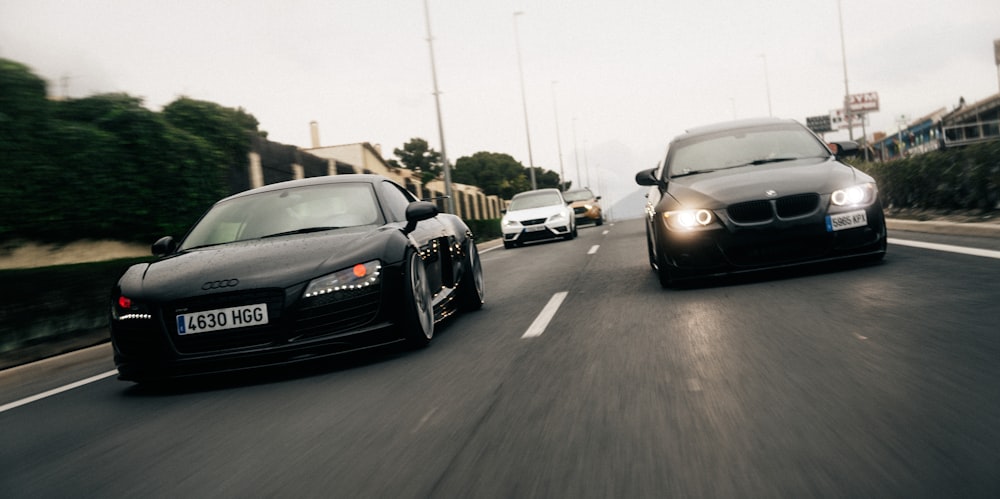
(437, 105)
(524, 102)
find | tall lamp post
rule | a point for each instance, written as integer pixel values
(767, 83)
(847, 92)
(524, 101)
(555, 111)
(437, 104)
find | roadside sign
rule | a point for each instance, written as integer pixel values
(863, 103)
(819, 124)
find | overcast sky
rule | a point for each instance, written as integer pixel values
(623, 76)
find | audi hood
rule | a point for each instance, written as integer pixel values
(270, 262)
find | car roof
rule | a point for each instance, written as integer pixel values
(326, 179)
(538, 191)
(734, 125)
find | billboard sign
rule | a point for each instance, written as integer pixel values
(819, 124)
(837, 121)
(863, 103)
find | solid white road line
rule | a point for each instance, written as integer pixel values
(538, 327)
(593, 249)
(54, 391)
(946, 247)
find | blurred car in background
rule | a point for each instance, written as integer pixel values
(585, 206)
(757, 194)
(538, 215)
(293, 271)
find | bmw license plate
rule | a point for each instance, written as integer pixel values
(847, 220)
(222, 318)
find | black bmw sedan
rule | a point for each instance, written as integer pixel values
(293, 271)
(756, 194)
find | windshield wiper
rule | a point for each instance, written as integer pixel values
(301, 231)
(741, 165)
(768, 160)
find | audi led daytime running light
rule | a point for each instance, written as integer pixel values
(356, 277)
(126, 304)
(135, 316)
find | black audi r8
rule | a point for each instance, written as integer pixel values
(756, 194)
(292, 271)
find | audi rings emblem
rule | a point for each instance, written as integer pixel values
(229, 283)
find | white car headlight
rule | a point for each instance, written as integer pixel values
(510, 223)
(855, 195)
(359, 276)
(689, 219)
(558, 217)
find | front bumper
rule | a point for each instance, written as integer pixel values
(735, 248)
(150, 348)
(534, 233)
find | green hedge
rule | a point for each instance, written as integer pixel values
(963, 178)
(42, 303)
(485, 230)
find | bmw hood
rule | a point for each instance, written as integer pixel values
(270, 262)
(715, 190)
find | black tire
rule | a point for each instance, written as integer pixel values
(509, 245)
(471, 288)
(418, 310)
(600, 220)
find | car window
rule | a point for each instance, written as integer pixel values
(395, 199)
(578, 195)
(530, 200)
(286, 210)
(742, 147)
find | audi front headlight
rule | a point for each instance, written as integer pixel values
(359, 276)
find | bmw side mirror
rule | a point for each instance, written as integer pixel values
(845, 149)
(164, 246)
(646, 177)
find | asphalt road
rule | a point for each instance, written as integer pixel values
(850, 381)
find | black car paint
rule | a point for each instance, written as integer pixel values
(802, 239)
(279, 269)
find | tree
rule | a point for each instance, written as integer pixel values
(499, 174)
(417, 156)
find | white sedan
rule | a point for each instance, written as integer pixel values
(538, 215)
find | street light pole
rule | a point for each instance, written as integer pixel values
(437, 104)
(767, 83)
(555, 111)
(847, 92)
(524, 101)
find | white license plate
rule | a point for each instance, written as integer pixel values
(534, 228)
(847, 220)
(222, 318)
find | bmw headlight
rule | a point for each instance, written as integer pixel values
(855, 195)
(359, 276)
(687, 220)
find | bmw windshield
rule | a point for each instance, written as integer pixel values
(742, 147)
